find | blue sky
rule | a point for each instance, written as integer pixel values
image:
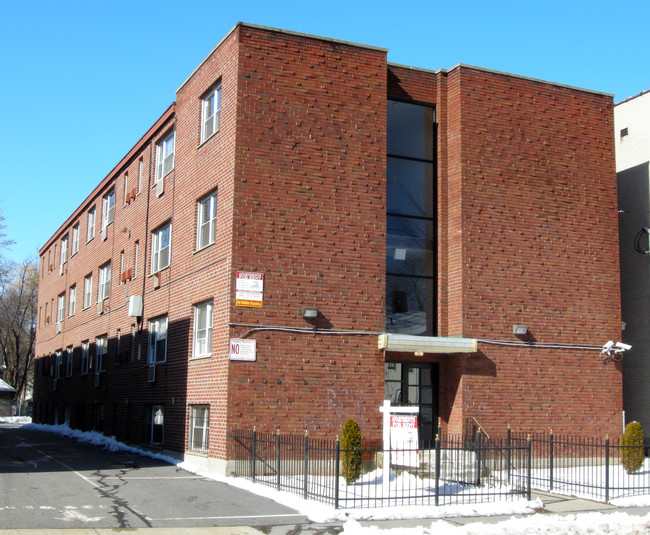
(80, 82)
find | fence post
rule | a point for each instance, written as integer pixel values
(306, 467)
(337, 473)
(478, 459)
(254, 453)
(551, 460)
(437, 468)
(528, 484)
(607, 468)
(278, 461)
(509, 453)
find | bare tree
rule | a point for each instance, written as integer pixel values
(18, 304)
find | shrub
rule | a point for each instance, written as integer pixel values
(351, 454)
(631, 447)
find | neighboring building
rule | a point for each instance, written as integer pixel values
(7, 394)
(632, 134)
(417, 215)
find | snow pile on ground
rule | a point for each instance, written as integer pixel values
(586, 523)
(15, 420)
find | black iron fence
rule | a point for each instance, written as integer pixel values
(585, 467)
(450, 471)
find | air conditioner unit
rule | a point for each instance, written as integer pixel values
(159, 187)
(156, 281)
(104, 233)
(135, 306)
(100, 306)
(58, 326)
(151, 375)
(61, 269)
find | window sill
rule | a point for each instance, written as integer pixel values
(200, 357)
(201, 249)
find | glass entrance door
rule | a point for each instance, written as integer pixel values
(415, 383)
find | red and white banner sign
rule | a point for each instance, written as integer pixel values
(404, 440)
(249, 289)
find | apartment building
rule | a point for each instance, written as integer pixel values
(309, 230)
(632, 134)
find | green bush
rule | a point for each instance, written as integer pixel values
(631, 450)
(351, 454)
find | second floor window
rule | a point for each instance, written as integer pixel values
(203, 330)
(104, 281)
(60, 311)
(160, 248)
(101, 349)
(88, 288)
(207, 221)
(157, 340)
(72, 300)
(84, 357)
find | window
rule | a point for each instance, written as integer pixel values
(101, 349)
(88, 288)
(140, 171)
(203, 330)
(68, 362)
(136, 252)
(155, 424)
(84, 357)
(126, 186)
(211, 113)
(157, 340)
(75, 240)
(199, 428)
(57, 366)
(164, 156)
(60, 311)
(72, 300)
(108, 208)
(64, 250)
(624, 132)
(104, 281)
(207, 221)
(160, 248)
(122, 274)
(90, 233)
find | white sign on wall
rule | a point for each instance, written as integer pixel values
(243, 349)
(249, 289)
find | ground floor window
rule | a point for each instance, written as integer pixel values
(155, 424)
(199, 428)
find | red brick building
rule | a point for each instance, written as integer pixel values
(418, 215)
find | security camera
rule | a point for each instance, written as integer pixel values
(620, 346)
(608, 345)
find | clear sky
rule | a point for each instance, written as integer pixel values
(81, 81)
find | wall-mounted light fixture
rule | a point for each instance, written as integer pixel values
(520, 330)
(309, 313)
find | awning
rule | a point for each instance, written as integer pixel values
(426, 344)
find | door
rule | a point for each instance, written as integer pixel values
(415, 383)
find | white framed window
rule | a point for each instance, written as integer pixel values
(104, 287)
(160, 248)
(75, 240)
(140, 173)
(136, 253)
(60, 310)
(64, 249)
(101, 349)
(199, 428)
(68, 362)
(206, 226)
(84, 357)
(202, 346)
(210, 112)
(72, 300)
(126, 186)
(90, 232)
(57, 366)
(157, 340)
(88, 289)
(164, 156)
(108, 208)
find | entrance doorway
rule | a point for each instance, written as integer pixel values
(415, 383)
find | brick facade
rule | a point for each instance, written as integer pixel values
(525, 181)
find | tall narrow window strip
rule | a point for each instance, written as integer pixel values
(101, 349)
(61, 308)
(68, 362)
(104, 281)
(88, 288)
(211, 113)
(140, 171)
(64, 250)
(108, 208)
(165, 156)
(75, 240)
(72, 300)
(136, 253)
(203, 330)
(160, 248)
(84, 357)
